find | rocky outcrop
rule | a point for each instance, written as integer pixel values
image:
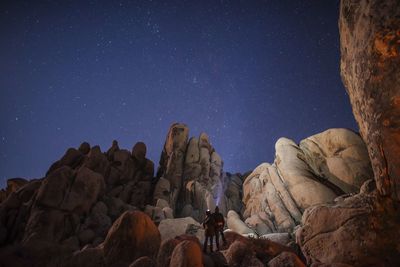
(317, 171)
(359, 230)
(76, 203)
(190, 177)
(370, 57)
(363, 230)
(172, 160)
(88, 202)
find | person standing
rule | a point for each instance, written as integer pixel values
(209, 226)
(219, 226)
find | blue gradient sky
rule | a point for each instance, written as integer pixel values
(245, 72)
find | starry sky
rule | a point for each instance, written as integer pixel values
(245, 72)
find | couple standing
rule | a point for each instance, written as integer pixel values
(214, 225)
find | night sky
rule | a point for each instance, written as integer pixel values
(245, 72)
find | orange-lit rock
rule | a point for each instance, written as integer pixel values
(132, 235)
(165, 252)
(370, 59)
(187, 254)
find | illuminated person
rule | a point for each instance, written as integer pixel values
(209, 226)
(219, 226)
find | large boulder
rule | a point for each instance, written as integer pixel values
(133, 235)
(340, 156)
(83, 192)
(266, 196)
(241, 254)
(187, 254)
(298, 176)
(165, 252)
(321, 168)
(370, 59)
(361, 230)
(68, 190)
(170, 228)
(54, 188)
(235, 224)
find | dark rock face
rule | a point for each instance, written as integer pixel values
(76, 203)
(370, 59)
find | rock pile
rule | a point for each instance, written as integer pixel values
(72, 209)
(82, 194)
(320, 169)
(190, 179)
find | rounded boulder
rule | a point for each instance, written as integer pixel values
(133, 235)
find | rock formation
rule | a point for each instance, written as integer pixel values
(363, 230)
(317, 171)
(357, 230)
(172, 160)
(370, 57)
(190, 177)
(85, 204)
(76, 203)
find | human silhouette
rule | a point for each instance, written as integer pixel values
(209, 226)
(219, 226)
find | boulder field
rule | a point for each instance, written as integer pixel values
(108, 208)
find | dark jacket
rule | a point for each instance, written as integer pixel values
(209, 225)
(219, 221)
